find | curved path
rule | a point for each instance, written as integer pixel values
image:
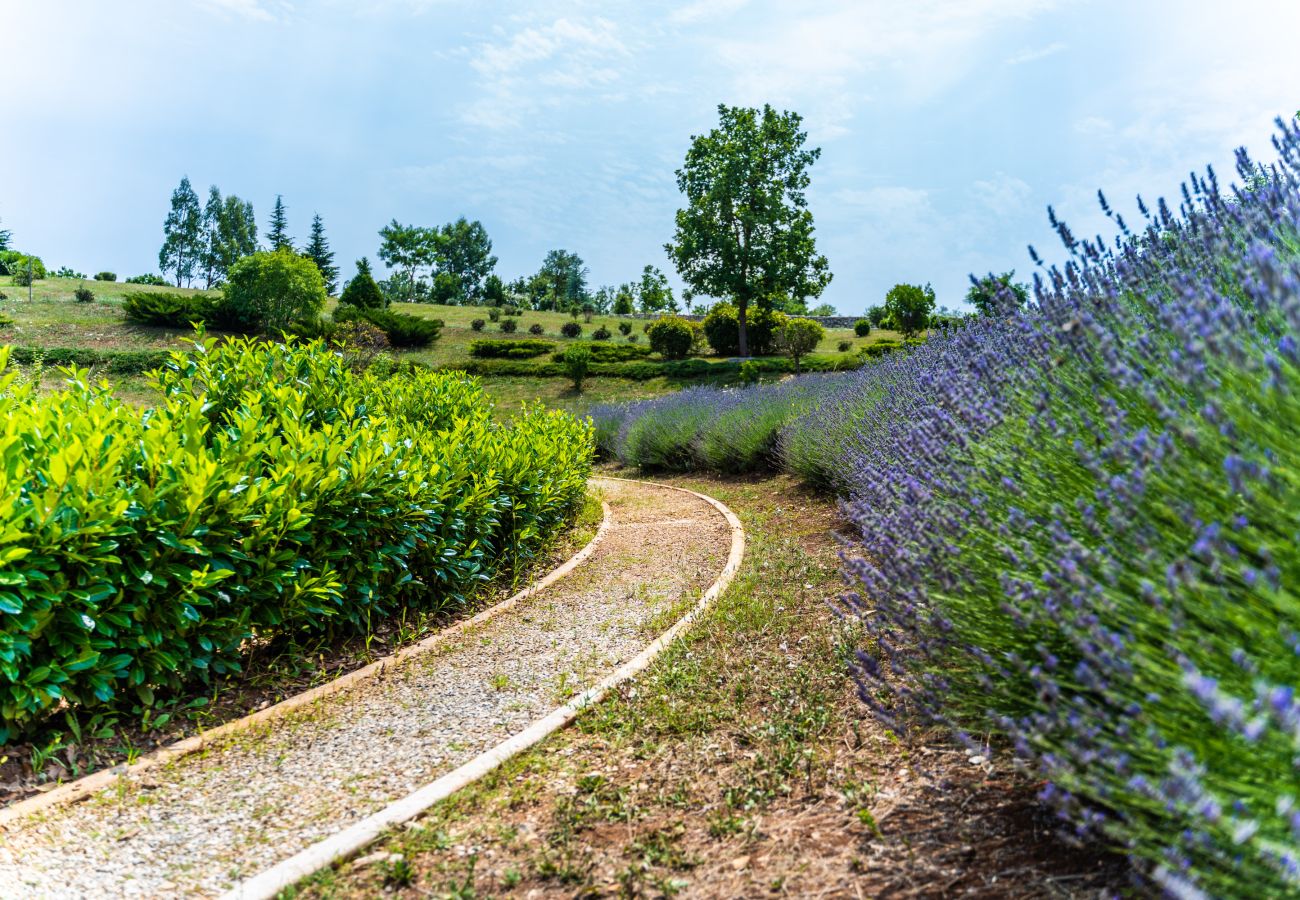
(199, 824)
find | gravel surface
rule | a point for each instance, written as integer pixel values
(194, 826)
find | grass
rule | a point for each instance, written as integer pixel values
(739, 764)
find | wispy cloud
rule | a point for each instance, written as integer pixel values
(544, 66)
(1029, 56)
(253, 10)
(704, 10)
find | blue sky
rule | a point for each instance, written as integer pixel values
(946, 127)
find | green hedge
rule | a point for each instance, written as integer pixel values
(164, 308)
(495, 348)
(116, 362)
(611, 353)
(646, 369)
(403, 330)
(270, 491)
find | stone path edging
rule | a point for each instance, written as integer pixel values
(82, 788)
(269, 883)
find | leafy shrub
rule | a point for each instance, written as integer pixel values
(722, 329)
(24, 268)
(5, 321)
(273, 290)
(401, 329)
(477, 325)
(84, 294)
(167, 309)
(509, 326)
(577, 362)
(147, 279)
(624, 328)
(797, 338)
(608, 353)
(750, 372)
(270, 491)
(498, 349)
(114, 362)
(601, 334)
(571, 329)
(844, 346)
(360, 341)
(862, 327)
(106, 276)
(880, 348)
(536, 328)
(671, 337)
(494, 313)
(633, 338)
(362, 291)
(513, 311)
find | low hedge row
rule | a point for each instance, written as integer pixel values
(611, 353)
(116, 362)
(646, 369)
(491, 348)
(270, 491)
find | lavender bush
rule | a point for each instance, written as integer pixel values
(1079, 527)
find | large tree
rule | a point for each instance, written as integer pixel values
(182, 235)
(208, 261)
(565, 277)
(277, 235)
(909, 307)
(655, 293)
(995, 294)
(229, 234)
(463, 251)
(746, 233)
(407, 247)
(318, 251)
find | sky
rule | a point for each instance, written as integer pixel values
(946, 126)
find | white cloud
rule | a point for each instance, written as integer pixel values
(1003, 195)
(247, 9)
(701, 10)
(1033, 55)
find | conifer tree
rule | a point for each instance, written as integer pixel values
(362, 291)
(318, 251)
(277, 236)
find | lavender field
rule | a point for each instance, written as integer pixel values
(1077, 526)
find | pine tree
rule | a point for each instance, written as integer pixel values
(362, 291)
(278, 234)
(319, 252)
(5, 235)
(182, 234)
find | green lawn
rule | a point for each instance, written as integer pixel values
(53, 318)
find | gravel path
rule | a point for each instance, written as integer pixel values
(192, 827)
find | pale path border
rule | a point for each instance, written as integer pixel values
(82, 788)
(269, 883)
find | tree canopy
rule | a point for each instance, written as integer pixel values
(277, 235)
(997, 293)
(182, 235)
(274, 289)
(908, 307)
(746, 233)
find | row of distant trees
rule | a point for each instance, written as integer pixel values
(202, 243)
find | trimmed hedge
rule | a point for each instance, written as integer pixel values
(116, 362)
(270, 491)
(610, 353)
(490, 348)
(643, 370)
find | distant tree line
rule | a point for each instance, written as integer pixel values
(203, 243)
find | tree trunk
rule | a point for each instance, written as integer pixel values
(742, 307)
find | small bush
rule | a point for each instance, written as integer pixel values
(601, 334)
(513, 311)
(147, 279)
(750, 372)
(401, 329)
(362, 291)
(844, 346)
(497, 349)
(273, 290)
(167, 310)
(536, 328)
(25, 269)
(84, 294)
(633, 338)
(106, 276)
(608, 353)
(477, 325)
(509, 326)
(5, 321)
(671, 337)
(862, 327)
(625, 328)
(799, 337)
(571, 330)
(494, 313)
(577, 362)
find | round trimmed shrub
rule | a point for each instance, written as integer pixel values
(671, 337)
(625, 328)
(477, 325)
(536, 328)
(601, 334)
(509, 325)
(571, 330)
(845, 346)
(862, 327)
(494, 313)
(633, 338)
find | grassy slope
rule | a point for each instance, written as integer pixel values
(54, 319)
(741, 764)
